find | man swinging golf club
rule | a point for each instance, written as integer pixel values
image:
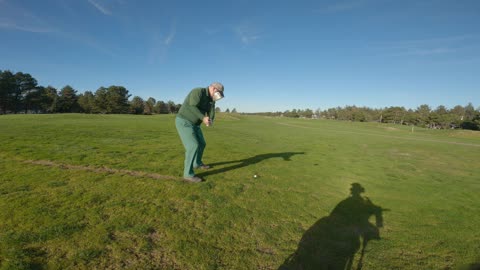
(198, 108)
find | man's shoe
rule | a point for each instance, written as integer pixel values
(204, 167)
(193, 179)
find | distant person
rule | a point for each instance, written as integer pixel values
(198, 108)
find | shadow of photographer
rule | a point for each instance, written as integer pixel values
(332, 242)
(247, 162)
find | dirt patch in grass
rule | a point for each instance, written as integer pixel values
(49, 163)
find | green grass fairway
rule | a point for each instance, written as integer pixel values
(105, 192)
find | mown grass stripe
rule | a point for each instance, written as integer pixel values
(384, 136)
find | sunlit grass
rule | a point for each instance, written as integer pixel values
(78, 191)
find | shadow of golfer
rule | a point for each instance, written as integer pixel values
(332, 242)
(473, 266)
(247, 161)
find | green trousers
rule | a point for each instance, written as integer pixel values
(194, 143)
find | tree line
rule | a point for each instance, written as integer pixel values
(465, 117)
(20, 93)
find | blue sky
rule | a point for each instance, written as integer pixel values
(270, 55)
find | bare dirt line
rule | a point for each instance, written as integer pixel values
(99, 169)
(385, 136)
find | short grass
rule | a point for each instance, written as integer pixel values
(105, 192)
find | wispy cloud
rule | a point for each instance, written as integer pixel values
(100, 7)
(171, 34)
(161, 43)
(16, 18)
(342, 6)
(87, 41)
(444, 40)
(430, 51)
(426, 47)
(247, 33)
(26, 28)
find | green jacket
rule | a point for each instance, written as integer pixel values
(196, 105)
